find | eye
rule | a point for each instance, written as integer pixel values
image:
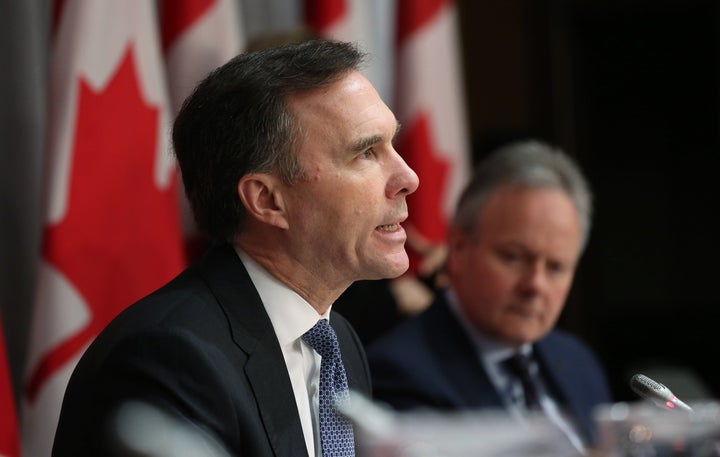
(509, 256)
(556, 267)
(367, 154)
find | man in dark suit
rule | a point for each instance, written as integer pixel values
(489, 341)
(287, 159)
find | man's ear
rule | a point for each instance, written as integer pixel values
(457, 245)
(260, 194)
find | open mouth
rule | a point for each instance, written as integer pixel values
(388, 227)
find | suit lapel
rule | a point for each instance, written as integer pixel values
(253, 333)
(270, 382)
(563, 381)
(458, 357)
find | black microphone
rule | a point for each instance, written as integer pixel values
(657, 393)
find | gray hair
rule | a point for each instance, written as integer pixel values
(528, 163)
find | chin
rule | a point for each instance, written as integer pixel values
(529, 337)
(398, 267)
(518, 336)
(391, 268)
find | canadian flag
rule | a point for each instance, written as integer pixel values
(430, 106)
(364, 22)
(9, 438)
(111, 228)
(197, 37)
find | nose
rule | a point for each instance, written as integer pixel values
(403, 181)
(533, 278)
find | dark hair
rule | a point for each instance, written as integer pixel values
(237, 122)
(531, 164)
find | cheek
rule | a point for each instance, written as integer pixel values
(494, 279)
(487, 284)
(479, 275)
(347, 203)
(325, 205)
(557, 296)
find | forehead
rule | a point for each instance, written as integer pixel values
(344, 111)
(530, 215)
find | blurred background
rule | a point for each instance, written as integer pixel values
(630, 88)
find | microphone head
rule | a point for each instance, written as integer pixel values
(647, 388)
(657, 393)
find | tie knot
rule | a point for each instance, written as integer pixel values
(322, 338)
(518, 364)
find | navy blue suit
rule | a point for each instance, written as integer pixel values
(429, 361)
(202, 347)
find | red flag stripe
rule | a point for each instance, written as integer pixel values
(57, 7)
(414, 14)
(56, 359)
(9, 438)
(178, 16)
(322, 14)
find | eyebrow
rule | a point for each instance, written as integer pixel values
(365, 143)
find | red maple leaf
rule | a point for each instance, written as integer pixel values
(120, 237)
(425, 206)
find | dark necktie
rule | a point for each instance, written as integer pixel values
(519, 366)
(336, 432)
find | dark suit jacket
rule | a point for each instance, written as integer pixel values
(201, 347)
(429, 361)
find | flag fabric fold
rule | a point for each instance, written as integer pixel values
(197, 37)
(368, 23)
(111, 229)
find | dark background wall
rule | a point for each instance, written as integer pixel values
(631, 89)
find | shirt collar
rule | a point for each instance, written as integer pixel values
(290, 314)
(490, 350)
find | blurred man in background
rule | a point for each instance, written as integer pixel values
(488, 340)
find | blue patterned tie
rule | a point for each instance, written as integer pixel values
(336, 432)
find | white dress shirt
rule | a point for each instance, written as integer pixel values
(291, 317)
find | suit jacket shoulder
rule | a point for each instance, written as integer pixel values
(203, 348)
(429, 361)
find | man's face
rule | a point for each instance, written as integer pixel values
(344, 217)
(513, 276)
